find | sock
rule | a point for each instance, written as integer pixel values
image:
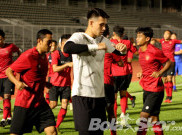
(123, 103)
(129, 96)
(61, 116)
(47, 98)
(6, 108)
(115, 108)
(70, 101)
(158, 129)
(142, 128)
(170, 87)
(113, 132)
(167, 89)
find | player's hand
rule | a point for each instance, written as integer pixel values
(156, 74)
(139, 75)
(121, 47)
(70, 64)
(21, 85)
(102, 46)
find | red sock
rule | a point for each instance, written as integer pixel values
(142, 128)
(123, 103)
(115, 108)
(157, 129)
(70, 101)
(113, 132)
(167, 89)
(47, 98)
(129, 96)
(6, 108)
(61, 116)
(170, 88)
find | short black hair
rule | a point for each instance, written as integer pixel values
(174, 33)
(118, 30)
(41, 33)
(169, 31)
(55, 42)
(2, 33)
(65, 36)
(147, 31)
(106, 32)
(96, 12)
(79, 30)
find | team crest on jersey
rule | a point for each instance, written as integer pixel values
(39, 66)
(170, 42)
(6, 51)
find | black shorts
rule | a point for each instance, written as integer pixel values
(129, 78)
(170, 71)
(49, 79)
(6, 87)
(86, 108)
(63, 92)
(25, 118)
(152, 102)
(121, 83)
(109, 93)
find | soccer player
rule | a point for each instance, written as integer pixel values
(151, 60)
(88, 50)
(121, 74)
(61, 79)
(6, 86)
(109, 82)
(168, 46)
(178, 60)
(50, 72)
(30, 105)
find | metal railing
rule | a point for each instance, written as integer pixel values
(24, 36)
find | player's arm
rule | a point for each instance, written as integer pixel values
(19, 85)
(156, 39)
(178, 52)
(74, 48)
(157, 74)
(57, 68)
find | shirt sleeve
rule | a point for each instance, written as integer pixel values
(176, 41)
(55, 57)
(161, 41)
(15, 48)
(180, 46)
(23, 63)
(159, 55)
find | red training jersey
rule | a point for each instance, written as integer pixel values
(116, 69)
(63, 77)
(6, 57)
(151, 61)
(130, 55)
(168, 48)
(33, 70)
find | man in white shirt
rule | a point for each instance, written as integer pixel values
(88, 50)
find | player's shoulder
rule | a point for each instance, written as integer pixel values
(78, 34)
(152, 48)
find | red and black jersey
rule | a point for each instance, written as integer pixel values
(33, 70)
(122, 71)
(49, 57)
(6, 58)
(61, 78)
(168, 48)
(151, 61)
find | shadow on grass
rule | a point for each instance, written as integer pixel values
(171, 104)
